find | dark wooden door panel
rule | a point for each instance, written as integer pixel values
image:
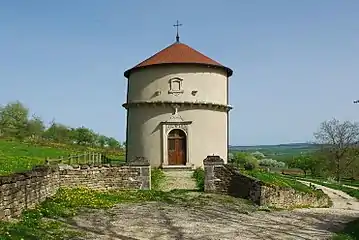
(177, 148)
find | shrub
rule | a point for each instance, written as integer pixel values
(250, 164)
(198, 175)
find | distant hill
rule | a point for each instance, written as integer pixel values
(283, 146)
(279, 151)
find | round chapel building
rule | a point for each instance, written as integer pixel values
(177, 108)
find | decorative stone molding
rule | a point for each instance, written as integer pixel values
(182, 127)
(168, 126)
(204, 105)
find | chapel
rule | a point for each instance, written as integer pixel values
(177, 108)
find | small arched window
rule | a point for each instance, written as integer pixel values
(175, 85)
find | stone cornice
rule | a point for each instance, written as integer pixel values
(205, 105)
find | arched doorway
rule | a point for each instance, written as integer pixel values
(177, 147)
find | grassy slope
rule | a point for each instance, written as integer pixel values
(17, 156)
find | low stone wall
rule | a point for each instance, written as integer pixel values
(106, 177)
(225, 179)
(25, 190)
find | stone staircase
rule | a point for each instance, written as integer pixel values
(178, 179)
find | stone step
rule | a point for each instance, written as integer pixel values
(177, 168)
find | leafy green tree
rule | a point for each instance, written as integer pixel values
(304, 162)
(266, 162)
(35, 127)
(14, 120)
(113, 143)
(101, 140)
(58, 133)
(84, 136)
(258, 155)
(242, 158)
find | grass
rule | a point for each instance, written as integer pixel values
(350, 191)
(198, 175)
(278, 180)
(18, 156)
(46, 221)
(157, 178)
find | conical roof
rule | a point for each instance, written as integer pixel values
(178, 53)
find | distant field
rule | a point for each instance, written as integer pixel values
(17, 156)
(279, 152)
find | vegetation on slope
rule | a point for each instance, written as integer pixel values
(18, 156)
(278, 180)
(26, 141)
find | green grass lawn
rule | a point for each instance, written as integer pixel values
(17, 156)
(278, 180)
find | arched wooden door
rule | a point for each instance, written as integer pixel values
(176, 147)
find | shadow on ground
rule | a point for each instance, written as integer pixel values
(207, 217)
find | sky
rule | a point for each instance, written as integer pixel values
(295, 63)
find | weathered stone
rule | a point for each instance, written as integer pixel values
(226, 179)
(139, 161)
(26, 190)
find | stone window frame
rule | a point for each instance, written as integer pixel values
(175, 80)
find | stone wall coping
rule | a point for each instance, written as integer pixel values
(37, 171)
(139, 161)
(213, 160)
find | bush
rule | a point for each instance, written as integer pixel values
(198, 175)
(251, 164)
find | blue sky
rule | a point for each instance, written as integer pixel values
(295, 62)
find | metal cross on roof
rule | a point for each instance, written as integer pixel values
(177, 25)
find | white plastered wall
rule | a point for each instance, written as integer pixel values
(207, 132)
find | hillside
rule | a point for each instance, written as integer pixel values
(279, 151)
(18, 156)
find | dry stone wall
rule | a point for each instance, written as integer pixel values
(225, 179)
(106, 177)
(25, 190)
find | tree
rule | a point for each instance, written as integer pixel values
(35, 127)
(84, 136)
(113, 143)
(58, 133)
(267, 162)
(101, 140)
(305, 162)
(242, 158)
(339, 141)
(258, 155)
(14, 120)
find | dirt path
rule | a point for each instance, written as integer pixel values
(160, 221)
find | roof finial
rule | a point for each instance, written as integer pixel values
(177, 25)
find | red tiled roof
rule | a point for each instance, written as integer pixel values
(178, 53)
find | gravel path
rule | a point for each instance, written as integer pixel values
(178, 179)
(217, 220)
